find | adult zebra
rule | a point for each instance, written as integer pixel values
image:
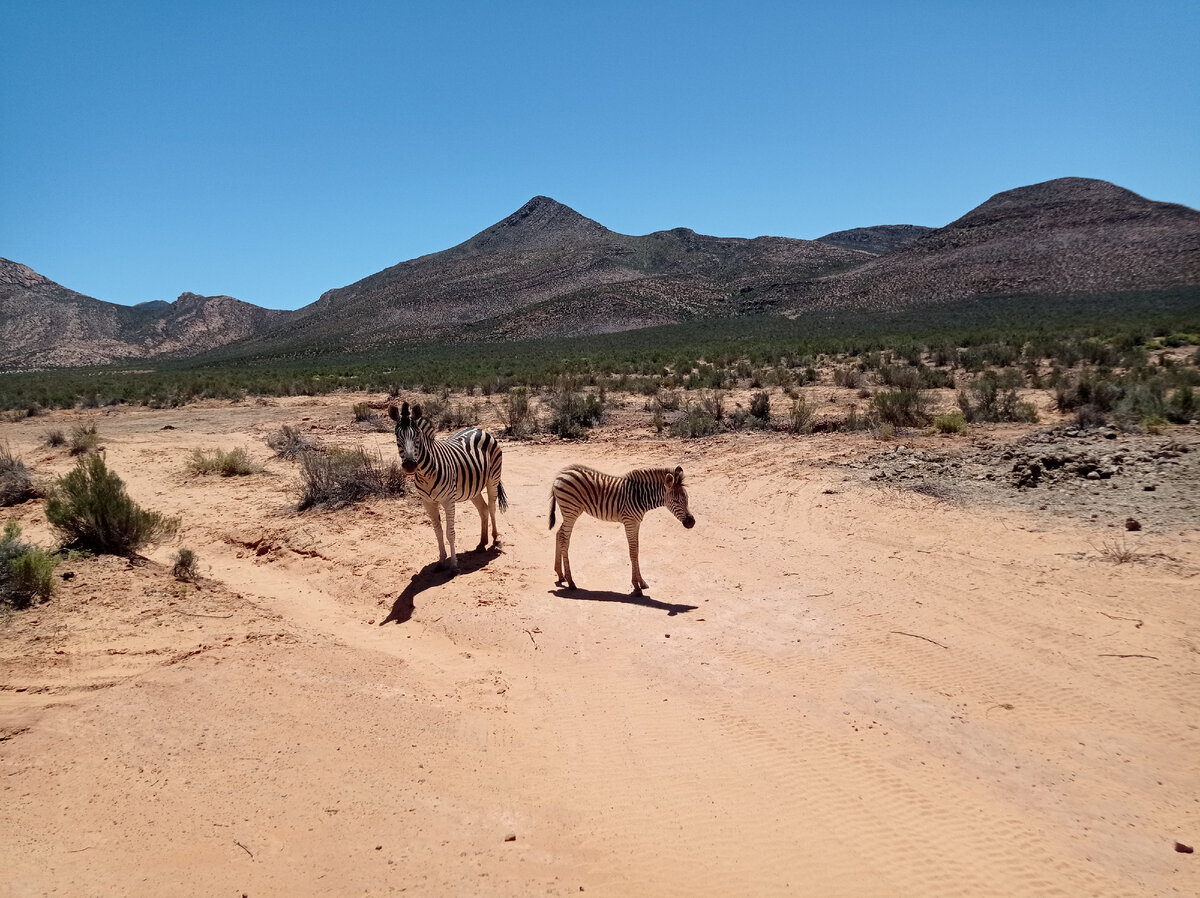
(578, 490)
(452, 470)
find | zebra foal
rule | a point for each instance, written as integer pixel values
(578, 490)
(452, 470)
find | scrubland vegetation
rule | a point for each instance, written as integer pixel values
(1123, 359)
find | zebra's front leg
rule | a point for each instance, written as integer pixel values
(631, 533)
(435, 518)
(562, 562)
(449, 506)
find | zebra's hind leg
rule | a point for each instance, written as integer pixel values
(481, 507)
(495, 490)
(562, 545)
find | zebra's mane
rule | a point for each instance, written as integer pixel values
(655, 475)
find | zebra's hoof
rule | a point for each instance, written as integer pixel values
(481, 547)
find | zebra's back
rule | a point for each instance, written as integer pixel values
(579, 489)
(470, 460)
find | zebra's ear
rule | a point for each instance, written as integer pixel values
(416, 412)
(393, 412)
(679, 475)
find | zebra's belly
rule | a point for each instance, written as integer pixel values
(431, 489)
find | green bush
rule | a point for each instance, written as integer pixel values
(90, 508)
(187, 566)
(573, 414)
(902, 408)
(952, 422)
(517, 414)
(235, 462)
(694, 422)
(992, 398)
(26, 572)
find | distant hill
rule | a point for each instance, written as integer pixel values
(1058, 238)
(877, 240)
(546, 270)
(43, 324)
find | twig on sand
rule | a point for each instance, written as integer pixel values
(818, 595)
(531, 639)
(1151, 657)
(1138, 622)
(244, 848)
(192, 614)
(918, 636)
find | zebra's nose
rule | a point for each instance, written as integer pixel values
(408, 465)
(689, 522)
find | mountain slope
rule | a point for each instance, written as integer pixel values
(1060, 237)
(43, 324)
(548, 257)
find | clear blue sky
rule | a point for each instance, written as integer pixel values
(272, 151)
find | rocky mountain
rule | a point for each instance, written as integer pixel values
(877, 241)
(1056, 238)
(43, 324)
(546, 270)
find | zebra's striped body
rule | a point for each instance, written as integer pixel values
(456, 469)
(580, 490)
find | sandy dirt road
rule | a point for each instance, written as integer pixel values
(830, 688)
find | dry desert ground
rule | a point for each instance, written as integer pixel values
(845, 680)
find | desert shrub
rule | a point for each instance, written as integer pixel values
(363, 412)
(573, 414)
(760, 407)
(902, 408)
(695, 421)
(1090, 416)
(90, 508)
(290, 443)
(235, 462)
(800, 415)
(951, 422)
(84, 438)
(26, 572)
(1182, 405)
(54, 437)
(344, 476)
(902, 378)
(187, 566)
(16, 483)
(848, 377)
(988, 399)
(517, 414)
(1089, 388)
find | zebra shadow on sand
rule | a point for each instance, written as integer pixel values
(594, 595)
(430, 576)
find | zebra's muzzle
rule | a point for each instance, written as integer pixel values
(689, 522)
(409, 465)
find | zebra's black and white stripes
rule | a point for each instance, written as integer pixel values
(581, 490)
(456, 469)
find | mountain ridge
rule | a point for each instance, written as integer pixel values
(547, 270)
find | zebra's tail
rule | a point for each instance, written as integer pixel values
(552, 504)
(501, 496)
